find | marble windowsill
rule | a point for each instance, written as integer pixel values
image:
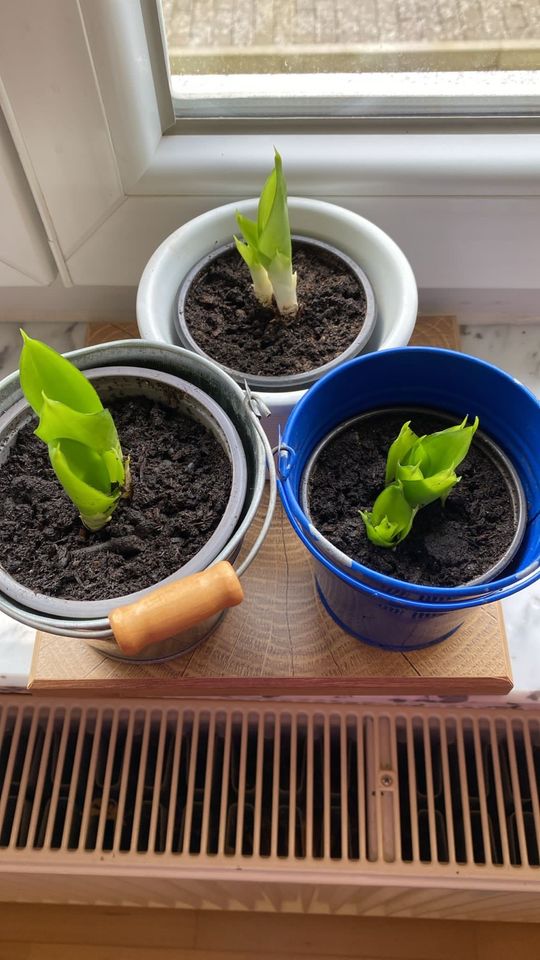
(515, 349)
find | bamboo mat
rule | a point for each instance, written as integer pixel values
(280, 641)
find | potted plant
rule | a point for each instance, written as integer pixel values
(162, 483)
(413, 515)
(278, 310)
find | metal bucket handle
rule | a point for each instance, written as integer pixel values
(168, 610)
(258, 408)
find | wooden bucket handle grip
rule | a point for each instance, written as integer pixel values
(175, 607)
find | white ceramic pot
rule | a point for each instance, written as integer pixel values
(376, 253)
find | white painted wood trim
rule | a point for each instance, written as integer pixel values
(371, 164)
(51, 97)
(118, 45)
(25, 257)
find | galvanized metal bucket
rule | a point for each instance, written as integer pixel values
(241, 409)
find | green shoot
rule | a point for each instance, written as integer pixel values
(261, 281)
(266, 247)
(423, 469)
(84, 448)
(391, 518)
(421, 490)
(398, 450)
(427, 469)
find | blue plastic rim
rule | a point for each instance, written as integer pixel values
(418, 377)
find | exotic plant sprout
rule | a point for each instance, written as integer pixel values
(84, 448)
(419, 470)
(266, 247)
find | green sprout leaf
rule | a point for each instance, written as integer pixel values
(267, 246)
(428, 469)
(44, 371)
(283, 282)
(420, 490)
(261, 281)
(443, 450)
(57, 421)
(419, 470)
(85, 478)
(398, 450)
(391, 518)
(273, 228)
(84, 448)
(250, 232)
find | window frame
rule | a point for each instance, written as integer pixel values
(465, 94)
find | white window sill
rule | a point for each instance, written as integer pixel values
(334, 163)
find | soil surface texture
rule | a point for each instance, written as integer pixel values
(181, 485)
(447, 546)
(228, 322)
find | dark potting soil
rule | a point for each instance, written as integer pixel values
(447, 546)
(181, 485)
(227, 321)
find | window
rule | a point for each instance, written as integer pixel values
(338, 57)
(345, 36)
(112, 173)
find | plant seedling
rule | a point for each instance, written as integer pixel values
(266, 245)
(419, 470)
(391, 518)
(83, 444)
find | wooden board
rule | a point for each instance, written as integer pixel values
(280, 641)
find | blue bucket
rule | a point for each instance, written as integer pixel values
(382, 610)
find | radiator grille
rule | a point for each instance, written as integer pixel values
(295, 784)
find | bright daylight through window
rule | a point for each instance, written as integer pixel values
(305, 36)
(345, 57)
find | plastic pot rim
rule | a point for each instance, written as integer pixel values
(493, 450)
(287, 382)
(223, 429)
(390, 599)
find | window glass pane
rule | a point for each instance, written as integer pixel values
(209, 37)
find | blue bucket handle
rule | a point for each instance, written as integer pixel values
(286, 457)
